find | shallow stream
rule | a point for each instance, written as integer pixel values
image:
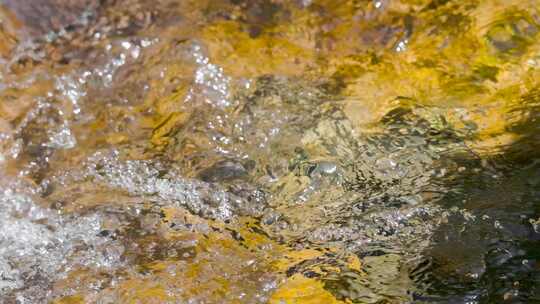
(269, 151)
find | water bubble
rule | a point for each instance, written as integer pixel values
(212, 79)
(62, 139)
(143, 178)
(401, 46)
(38, 242)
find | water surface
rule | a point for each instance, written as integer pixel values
(269, 151)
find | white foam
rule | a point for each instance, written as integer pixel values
(143, 178)
(39, 246)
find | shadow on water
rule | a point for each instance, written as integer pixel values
(494, 257)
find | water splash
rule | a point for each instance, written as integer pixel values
(39, 246)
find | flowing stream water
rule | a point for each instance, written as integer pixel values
(269, 151)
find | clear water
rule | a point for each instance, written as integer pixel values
(229, 152)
